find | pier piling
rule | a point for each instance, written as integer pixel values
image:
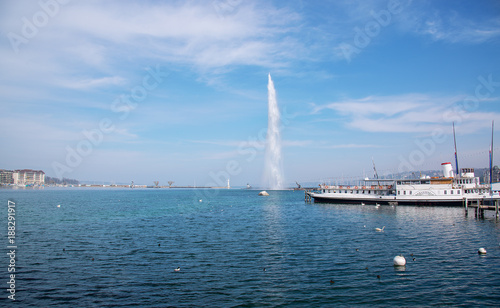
(307, 196)
(480, 205)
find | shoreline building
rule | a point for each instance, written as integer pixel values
(6, 176)
(22, 177)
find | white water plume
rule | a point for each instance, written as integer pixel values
(273, 172)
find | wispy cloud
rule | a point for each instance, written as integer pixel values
(351, 146)
(450, 25)
(94, 83)
(257, 144)
(107, 38)
(407, 113)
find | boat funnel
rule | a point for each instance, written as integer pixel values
(447, 170)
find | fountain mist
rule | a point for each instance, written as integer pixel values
(273, 172)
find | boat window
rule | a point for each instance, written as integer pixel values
(410, 192)
(452, 191)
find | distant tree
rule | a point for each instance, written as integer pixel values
(64, 181)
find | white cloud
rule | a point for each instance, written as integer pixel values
(409, 113)
(101, 39)
(191, 33)
(95, 82)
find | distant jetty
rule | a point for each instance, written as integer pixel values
(148, 186)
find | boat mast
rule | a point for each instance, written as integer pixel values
(456, 157)
(491, 153)
(375, 171)
(491, 162)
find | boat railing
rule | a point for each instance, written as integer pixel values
(357, 187)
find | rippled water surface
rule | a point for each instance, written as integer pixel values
(119, 247)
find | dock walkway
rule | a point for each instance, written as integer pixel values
(480, 205)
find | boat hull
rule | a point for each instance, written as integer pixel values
(318, 198)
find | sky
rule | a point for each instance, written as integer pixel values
(143, 91)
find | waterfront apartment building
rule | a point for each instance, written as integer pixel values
(495, 178)
(22, 177)
(6, 177)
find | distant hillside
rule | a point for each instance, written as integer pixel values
(482, 173)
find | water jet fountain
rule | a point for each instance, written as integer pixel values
(273, 172)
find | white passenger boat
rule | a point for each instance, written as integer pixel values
(448, 190)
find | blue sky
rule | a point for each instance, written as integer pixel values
(177, 90)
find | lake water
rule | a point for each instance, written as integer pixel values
(119, 247)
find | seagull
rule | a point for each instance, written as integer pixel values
(380, 230)
(177, 269)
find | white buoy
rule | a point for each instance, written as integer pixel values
(177, 269)
(58, 205)
(263, 193)
(399, 261)
(481, 251)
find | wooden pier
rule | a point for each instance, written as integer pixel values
(479, 205)
(307, 196)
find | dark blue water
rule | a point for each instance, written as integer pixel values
(119, 247)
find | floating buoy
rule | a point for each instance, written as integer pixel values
(58, 205)
(481, 251)
(177, 269)
(399, 261)
(200, 200)
(263, 193)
